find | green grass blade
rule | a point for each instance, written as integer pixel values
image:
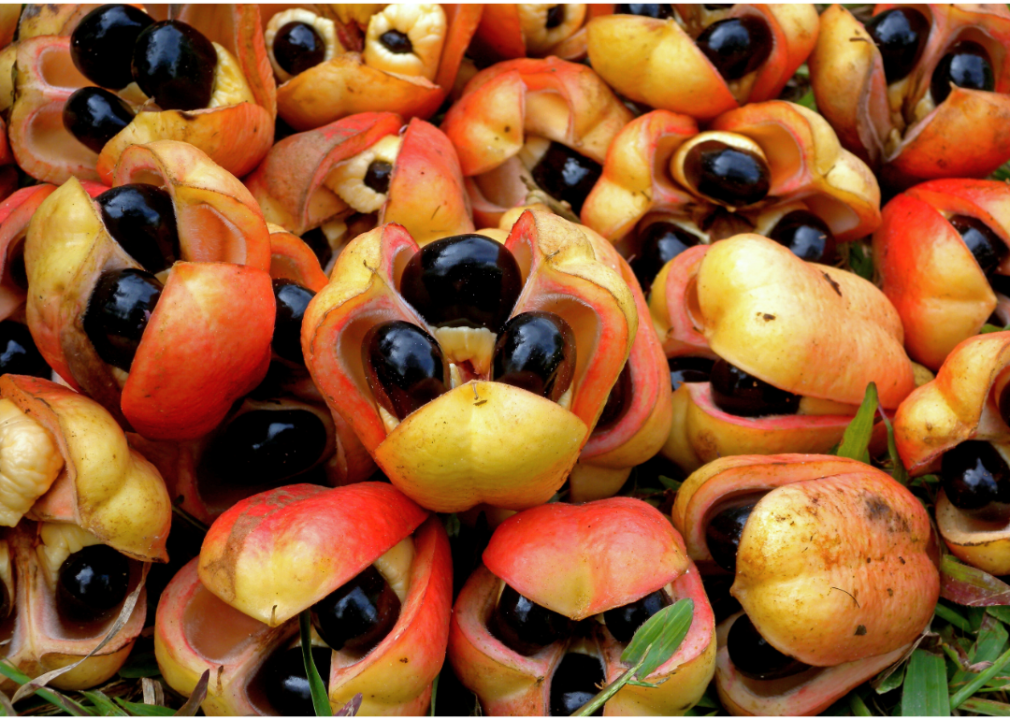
(986, 707)
(145, 710)
(945, 613)
(103, 704)
(659, 637)
(856, 440)
(320, 700)
(962, 695)
(64, 703)
(857, 706)
(925, 691)
(966, 585)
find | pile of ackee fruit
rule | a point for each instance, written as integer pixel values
(459, 341)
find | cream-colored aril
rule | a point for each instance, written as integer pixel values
(424, 26)
(230, 85)
(395, 566)
(60, 541)
(325, 28)
(347, 179)
(533, 19)
(29, 462)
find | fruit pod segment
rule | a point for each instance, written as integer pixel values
(657, 62)
(237, 130)
(37, 638)
(293, 184)
(292, 259)
(509, 447)
(67, 250)
(509, 31)
(961, 404)
(394, 677)
(501, 106)
(106, 487)
(15, 215)
(42, 146)
(938, 288)
(580, 561)
(347, 84)
(809, 693)
(835, 562)
(911, 141)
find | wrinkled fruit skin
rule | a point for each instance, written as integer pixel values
(221, 279)
(852, 93)
(657, 63)
(510, 448)
(816, 502)
(249, 621)
(939, 290)
(709, 302)
(960, 405)
(580, 561)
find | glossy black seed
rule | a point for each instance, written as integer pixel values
(298, 47)
(689, 369)
(1000, 284)
(555, 16)
(91, 582)
(404, 366)
(806, 235)
(753, 657)
(618, 401)
(622, 622)
(118, 311)
(566, 175)
(526, 627)
(292, 299)
(739, 393)
(985, 245)
(900, 35)
(536, 351)
(576, 680)
(975, 475)
(661, 242)
(316, 240)
(736, 46)
(142, 220)
(463, 281)
(657, 11)
(396, 42)
(718, 6)
(18, 352)
(966, 65)
(95, 116)
(723, 534)
(727, 174)
(102, 44)
(267, 447)
(378, 175)
(174, 63)
(286, 683)
(359, 614)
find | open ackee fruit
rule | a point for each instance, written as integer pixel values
(331, 184)
(472, 371)
(911, 80)
(773, 168)
(834, 564)
(93, 508)
(118, 283)
(542, 623)
(701, 60)
(380, 603)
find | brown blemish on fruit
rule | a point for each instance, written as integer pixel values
(861, 630)
(833, 284)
